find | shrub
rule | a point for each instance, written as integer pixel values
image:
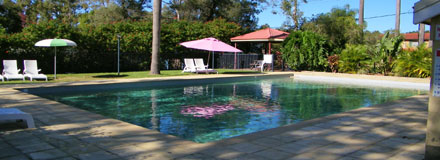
(414, 63)
(96, 49)
(385, 52)
(304, 50)
(354, 58)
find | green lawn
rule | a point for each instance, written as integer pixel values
(123, 75)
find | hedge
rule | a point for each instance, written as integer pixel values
(96, 49)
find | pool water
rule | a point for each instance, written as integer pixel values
(210, 112)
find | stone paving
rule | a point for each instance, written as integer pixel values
(394, 130)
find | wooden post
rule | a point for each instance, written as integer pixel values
(421, 34)
(235, 57)
(361, 19)
(425, 11)
(397, 17)
(270, 45)
(432, 149)
(361, 12)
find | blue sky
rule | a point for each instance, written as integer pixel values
(372, 8)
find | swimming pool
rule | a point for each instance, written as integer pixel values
(209, 111)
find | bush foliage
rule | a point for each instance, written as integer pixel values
(354, 58)
(304, 50)
(414, 63)
(96, 49)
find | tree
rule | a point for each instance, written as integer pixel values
(242, 12)
(10, 17)
(290, 9)
(157, 7)
(304, 50)
(33, 11)
(371, 38)
(103, 15)
(339, 26)
(133, 9)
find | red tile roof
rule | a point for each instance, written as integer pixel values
(414, 36)
(267, 34)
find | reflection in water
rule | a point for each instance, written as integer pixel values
(154, 119)
(193, 90)
(204, 113)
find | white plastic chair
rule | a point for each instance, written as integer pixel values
(200, 64)
(1, 77)
(16, 114)
(201, 67)
(10, 70)
(267, 59)
(189, 65)
(31, 70)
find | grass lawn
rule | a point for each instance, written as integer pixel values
(123, 75)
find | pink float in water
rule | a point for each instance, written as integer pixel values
(206, 111)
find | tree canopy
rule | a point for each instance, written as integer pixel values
(17, 14)
(242, 12)
(339, 26)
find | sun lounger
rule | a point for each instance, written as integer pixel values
(1, 77)
(10, 70)
(202, 68)
(31, 70)
(16, 114)
(189, 65)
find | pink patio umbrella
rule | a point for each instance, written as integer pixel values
(210, 44)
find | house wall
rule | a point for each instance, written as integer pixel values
(415, 44)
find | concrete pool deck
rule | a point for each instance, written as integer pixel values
(394, 130)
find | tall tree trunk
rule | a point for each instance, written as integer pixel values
(295, 15)
(157, 7)
(177, 15)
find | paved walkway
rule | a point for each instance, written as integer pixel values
(394, 130)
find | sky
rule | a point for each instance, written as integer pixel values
(372, 8)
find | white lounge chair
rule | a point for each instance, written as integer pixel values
(31, 70)
(10, 70)
(201, 67)
(1, 77)
(200, 64)
(16, 114)
(189, 65)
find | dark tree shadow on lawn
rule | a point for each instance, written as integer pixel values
(244, 72)
(110, 76)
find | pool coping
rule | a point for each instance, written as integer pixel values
(310, 122)
(146, 83)
(225, 142)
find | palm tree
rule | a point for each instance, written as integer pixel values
(157, 7)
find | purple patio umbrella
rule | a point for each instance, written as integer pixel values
(210, 44)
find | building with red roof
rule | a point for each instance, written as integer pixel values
(263, 35)
(267, 35)
(411, 40)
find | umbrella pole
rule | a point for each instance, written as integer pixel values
(212, 59)
(55, 64)
(207, 63)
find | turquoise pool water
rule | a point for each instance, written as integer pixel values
(210, 112)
